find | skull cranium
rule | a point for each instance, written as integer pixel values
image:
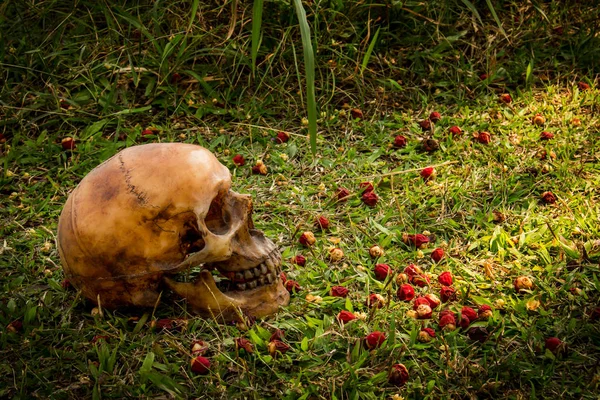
(155, 210)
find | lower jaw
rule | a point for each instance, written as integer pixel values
(205, 299)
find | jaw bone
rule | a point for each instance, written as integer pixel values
(206, 299)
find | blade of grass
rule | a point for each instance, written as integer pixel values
(369, 51)
(309, 67)
(257, 11)
(471, 7)
(195, 4)
(493, 11)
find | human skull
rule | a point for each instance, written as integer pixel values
(155, 210)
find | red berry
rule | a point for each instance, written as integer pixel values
(339, 291)
(447, 321)
(424, 311)
(421, 280)
(169, 324)
(277, 346)
(429, 331)
(412, 270)
(455, 131)
(15, 326)
(484, 312)
(426, 335)
(278, 334)
(199, 347)
(553, 343)
(447, 293)
(418, 240)
(370, 198)
(437, 254)
(419, 301)
(245, 344)
(484, 138)
(382, 271)
(425, 124)
(483, 76)
(433, 300)
(448, 312)
(398, 375)
(342, 194)
(299, 259)
(345, 316)
(469, 313)
(356, 113)
(259, 168)
(478, 333)
(283, 277)
(200, 365)
(282, 137)
(238, 160)
(548, 197)
(366, 186)
(375, 339)
(307, 239)
(322, 223)
(405, 292)
(400, 141)
(583, 86)
(427, 173)
(435, 116)
(464, 322)
(98, 338)
(445, 278)
(546, 135)
(505, 98)
(68, 143)
(375, 301)
(175, 77)
(292, 286)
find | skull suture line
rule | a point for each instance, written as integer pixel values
(155, 210)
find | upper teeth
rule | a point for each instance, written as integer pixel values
(263, 274)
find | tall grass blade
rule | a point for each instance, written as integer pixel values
(493, 11)
(309, 67)
(471, 7)
(257, 11)
(195, 4)
(367, 56)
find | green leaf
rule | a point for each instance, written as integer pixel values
(367, 56)
(348, 305)
(493, 11)
(147, 364)
(304, 344)
(195, 4)
(92, 129)
(569, 247)
(309, 68)
(257, 10)
(471, 7)
(528, 75)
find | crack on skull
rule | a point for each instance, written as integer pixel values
(142, 197)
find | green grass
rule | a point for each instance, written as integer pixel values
(102, 75)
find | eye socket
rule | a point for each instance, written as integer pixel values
(218, 219)
(191, 241)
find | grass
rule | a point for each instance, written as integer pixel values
(102, 75)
